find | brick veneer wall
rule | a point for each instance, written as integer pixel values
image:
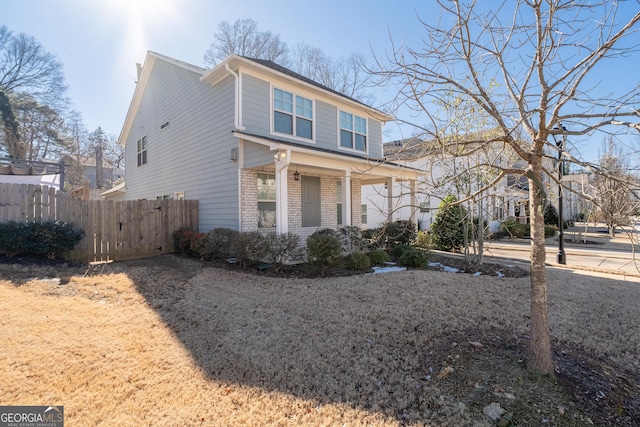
(329, 219)
(249, 200)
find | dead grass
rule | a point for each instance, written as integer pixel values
(171, 341)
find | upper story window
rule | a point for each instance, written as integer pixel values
(353, 131)
(292, 114)
(142, 151)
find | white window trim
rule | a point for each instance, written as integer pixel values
(139, 152)
(354, 115)
(258, 200)
(272, 110)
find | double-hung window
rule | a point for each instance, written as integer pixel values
(266, 200)
(353, 131)
(292, 114)
(142, 151)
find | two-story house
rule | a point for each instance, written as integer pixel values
(443, 175)
(260, 147)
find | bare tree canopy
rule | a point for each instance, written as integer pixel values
(344, 75)
(534, 67)
(31, 97)
(26, 67)
(243, 38)
(615, 186)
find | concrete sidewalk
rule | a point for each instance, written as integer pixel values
(600, 254)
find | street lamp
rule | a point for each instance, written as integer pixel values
(561, 257)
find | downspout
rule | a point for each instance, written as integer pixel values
(236, 110)
(236, 124)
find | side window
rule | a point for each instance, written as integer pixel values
(266, 200)
(142, 151)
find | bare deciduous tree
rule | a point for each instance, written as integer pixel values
(344, 75)
(42, 129)
(531, 66)
(614, 188)
(243, 38)
(31, 76)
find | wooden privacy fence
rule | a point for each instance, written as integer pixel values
(114, 230)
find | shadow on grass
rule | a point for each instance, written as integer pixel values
(363, 341)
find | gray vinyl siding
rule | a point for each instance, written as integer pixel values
(191, 155)
(256, 118)
(256, 105)
(326, 125)
(374, 138)
(256, 155)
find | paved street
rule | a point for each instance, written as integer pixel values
(600, 253)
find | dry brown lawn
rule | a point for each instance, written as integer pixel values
(175, 342)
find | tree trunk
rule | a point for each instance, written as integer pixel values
(11, 135)
(540, 360)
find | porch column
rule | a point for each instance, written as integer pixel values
(389, 184)
(282, 159)
(346, 198)
(414, 203)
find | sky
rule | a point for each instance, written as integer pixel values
(99, 42)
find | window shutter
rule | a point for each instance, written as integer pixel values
(311, 213)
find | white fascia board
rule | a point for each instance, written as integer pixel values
(236, 63)
(336, 161)
(149, 61)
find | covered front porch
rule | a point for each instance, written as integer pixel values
(301, 189)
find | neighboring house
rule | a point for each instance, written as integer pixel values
(86, 178)
(507, 199)
(43, 172)
(576, 205)
(260, 147)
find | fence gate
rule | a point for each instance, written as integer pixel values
(114, 230)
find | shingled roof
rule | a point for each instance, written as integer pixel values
(290, 73)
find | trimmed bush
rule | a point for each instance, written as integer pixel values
(550, 230)
(216, 244)
(185, 241)
(47, 238)
(357, 261)
(12, 237)
(399, 250)
(515, 229)
(280, 248)
(423, 241)
(396, 233)
(324, 247)
(379, 257)
(414, 258)
(53, 238)
(373, 238)
(352, 239)
(249, 247)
